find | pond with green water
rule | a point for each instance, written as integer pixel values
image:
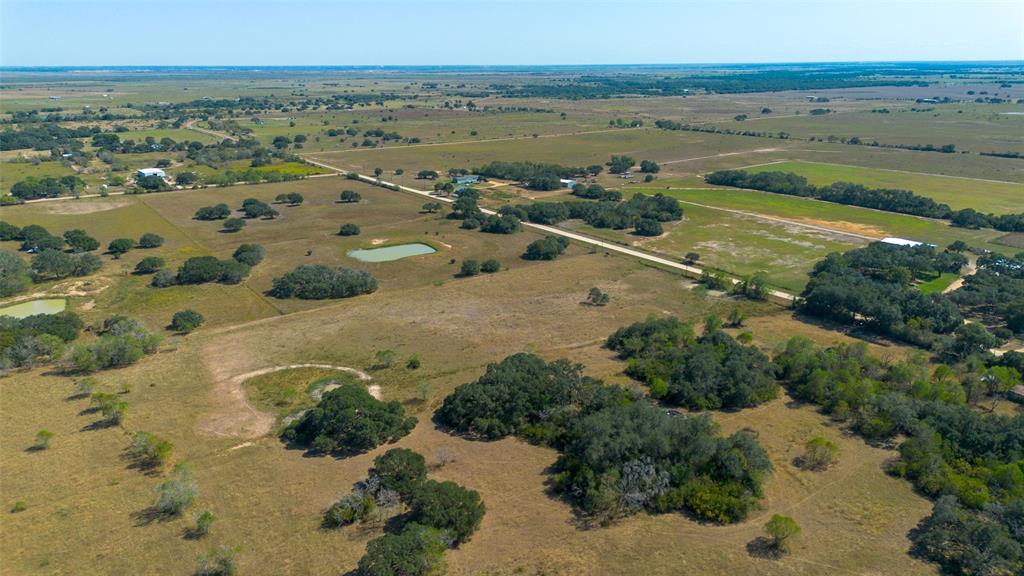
(389, 253)
(33, 307)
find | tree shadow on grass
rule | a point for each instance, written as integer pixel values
(763, 547)
(98, 425)
(89, 410)
(580, 520)
(151, 514)
(312, 452)
(134, 462)
(853, 330)
(192, 533)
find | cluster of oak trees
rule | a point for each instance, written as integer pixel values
(348, 420)
(319, 282)
(995, 291)
(619, 454)
(707, 372)
(439, 515)
(875, 286)
(644, 213)
(971, 461)
(203, 269)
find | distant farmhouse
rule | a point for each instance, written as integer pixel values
(567, 183)
(468, 179)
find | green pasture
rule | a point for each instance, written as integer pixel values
(872, 223)
(984, 196)
(14, 172)
(739, 245)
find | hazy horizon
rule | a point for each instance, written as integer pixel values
(401, 33)
(455, 65)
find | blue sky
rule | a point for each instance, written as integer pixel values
(397, 32)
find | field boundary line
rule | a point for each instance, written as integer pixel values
(481, 141)
(762, 164)
(183, 189)
(724, 154)
(908, 171)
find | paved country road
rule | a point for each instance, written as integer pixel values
(189, 126)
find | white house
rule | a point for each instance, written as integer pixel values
(901, 242)
(566, 182)
(143, 172)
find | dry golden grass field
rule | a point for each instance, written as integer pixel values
(85, 504)
(221, 393)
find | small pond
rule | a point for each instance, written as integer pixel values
(389, 253)
(32, 307)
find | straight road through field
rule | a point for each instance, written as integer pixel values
(723, 154)
(189, 126)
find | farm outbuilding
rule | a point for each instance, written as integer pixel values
(468, 179)
(1016, 393)
(901, 242)
(144, 172)
(567, 183)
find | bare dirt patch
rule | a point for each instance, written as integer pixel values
(66, 290)
(235, 416)
(843, 226)
(82, 207)
(1013, 239)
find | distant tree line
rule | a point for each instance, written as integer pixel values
(891, 200)
(681, 126)
(599, 86)
(642, 212)
(32, 188)
(45, 136)
(1007, 154)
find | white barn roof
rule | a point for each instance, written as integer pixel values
(901, 242)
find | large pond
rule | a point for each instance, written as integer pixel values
(389, 253)
(32, 307)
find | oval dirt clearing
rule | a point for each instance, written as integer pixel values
(233, 414)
